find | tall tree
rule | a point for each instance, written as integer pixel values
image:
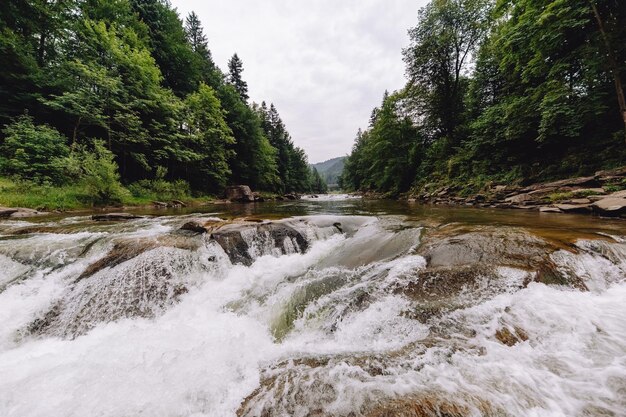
(235, 70)
(448, 33)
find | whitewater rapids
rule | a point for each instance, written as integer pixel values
(333, 330)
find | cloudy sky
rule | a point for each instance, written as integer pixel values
(324, 63)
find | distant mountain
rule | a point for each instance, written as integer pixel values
(330, 170)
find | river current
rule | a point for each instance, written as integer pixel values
(329, 306)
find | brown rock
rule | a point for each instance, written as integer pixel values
(510, 338)
(519, 198)
(239, 193)
(574, 208)
(618, 194)
(579, 201)
(617, 172)
(7, 212)
(610, 206)
(568, 182)
(114, 217)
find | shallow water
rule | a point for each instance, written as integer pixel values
(401, 310)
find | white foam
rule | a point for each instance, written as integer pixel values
(204, 355)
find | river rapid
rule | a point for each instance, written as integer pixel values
(329, 306)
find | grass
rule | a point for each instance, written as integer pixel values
(42, 197)
(17, 193)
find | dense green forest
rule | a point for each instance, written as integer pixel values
(507, 91)
(120, 97)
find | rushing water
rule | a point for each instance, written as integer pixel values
(366, 309)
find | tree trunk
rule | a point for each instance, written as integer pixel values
(619, 88)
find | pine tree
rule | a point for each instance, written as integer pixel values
(235, 69)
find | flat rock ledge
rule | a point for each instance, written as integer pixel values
(602, 194)
(114, 217)
(19, 212)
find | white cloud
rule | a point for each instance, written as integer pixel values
(324, 63)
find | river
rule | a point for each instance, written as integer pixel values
(330, 306)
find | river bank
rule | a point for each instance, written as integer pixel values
(603, 194)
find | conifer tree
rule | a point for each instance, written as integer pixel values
(235, 70)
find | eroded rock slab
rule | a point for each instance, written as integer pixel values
(114, 217)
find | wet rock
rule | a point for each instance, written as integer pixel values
(7, 212)
(178, 203)
(487, 245)
(610, 206)
(19, 212)
(291, 197)
(136, 278)
(239, 193)
(203, 226)
(125, 250)
(114, 217)
(511, 338)
(160, 204)
(243, 241)
(434, 405)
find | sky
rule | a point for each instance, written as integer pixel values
(325, 64)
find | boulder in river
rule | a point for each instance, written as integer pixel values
(243, 241)
(19, 212)
(114, 217)
(239, 193)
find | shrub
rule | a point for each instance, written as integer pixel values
(101, 176)
(33, 152)
(159, 188)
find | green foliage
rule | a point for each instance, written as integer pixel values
(526, 91)
(318, 185)
(132, 75)
(33, 152)
(291, 161)
(208, 140)
(159, 189)
(100, 175)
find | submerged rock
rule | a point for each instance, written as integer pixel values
(136, 278)
(114, 217)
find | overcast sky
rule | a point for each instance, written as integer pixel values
(324, 63)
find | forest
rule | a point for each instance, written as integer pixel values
(103, 101)
(499, 92)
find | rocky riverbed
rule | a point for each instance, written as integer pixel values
(335, 308)
(603, 193)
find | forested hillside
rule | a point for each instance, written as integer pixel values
(330, 170)
(124, 94)
(500, 92)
